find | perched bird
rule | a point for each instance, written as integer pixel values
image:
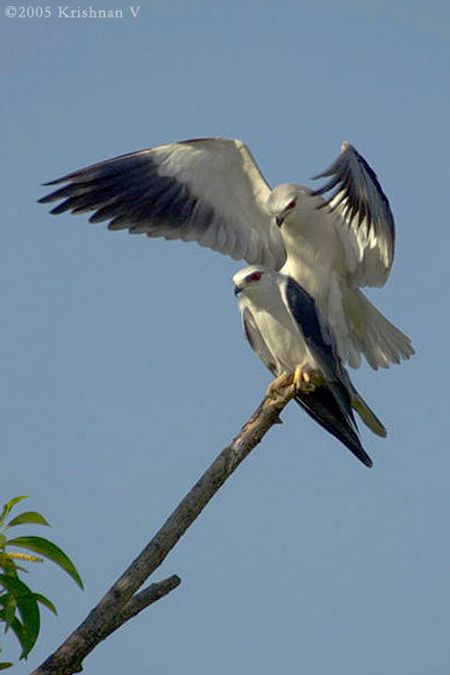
(289, 333)
(210, 190)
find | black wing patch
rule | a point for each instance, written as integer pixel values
(129, 192)
(328, 404)
(304, 310)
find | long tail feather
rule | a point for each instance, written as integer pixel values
(367, 415)
(322, 406)
(373, 335)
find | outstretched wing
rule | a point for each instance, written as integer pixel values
(367, 227)
(207, 190)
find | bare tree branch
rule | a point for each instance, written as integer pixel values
(143, 599)
(123, 601)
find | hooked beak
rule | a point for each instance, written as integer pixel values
(279, 220)
(237, 290)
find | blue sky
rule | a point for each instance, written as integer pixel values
(124, 370)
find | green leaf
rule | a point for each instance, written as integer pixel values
(31, 618)
(19, 568)
(26, 640)
(46, 602)
(8, 506)
(14, 585)
(28, 517)
(7, 564)
(26, 632)
(29, 610)
(5, 664)
(9, 609)
(26, 604)
(2, 541)
(50, 551)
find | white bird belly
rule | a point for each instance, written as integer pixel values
(315, 258)
(313, 270)
(283, 340)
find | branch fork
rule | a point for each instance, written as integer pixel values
(124, 600)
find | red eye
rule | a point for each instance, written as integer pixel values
(291, 205)
(256, 276)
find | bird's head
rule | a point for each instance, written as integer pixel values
(285, 200)
(253, 280)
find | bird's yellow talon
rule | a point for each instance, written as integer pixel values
(298, 375)
(302, 381)
(305, 381)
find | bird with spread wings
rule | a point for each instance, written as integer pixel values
(210, 190)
